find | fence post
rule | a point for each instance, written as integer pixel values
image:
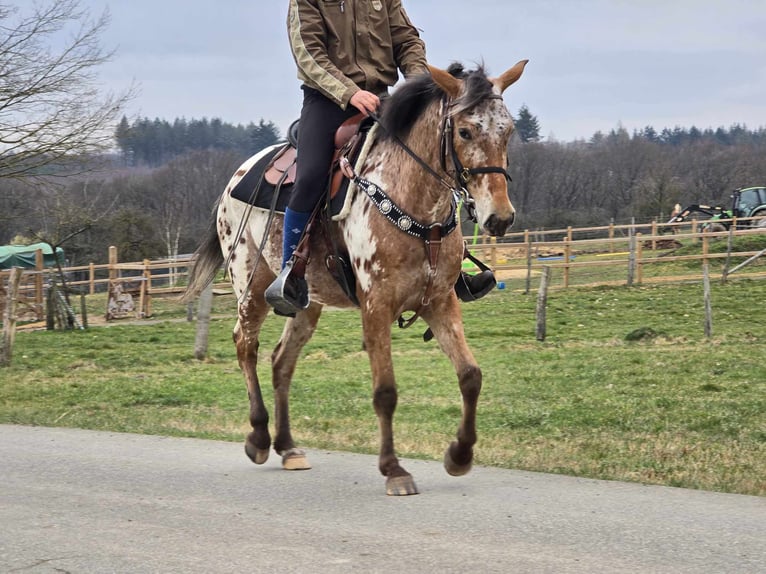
(654, 236)
(567, 256)
(39, 267)
(632, 253)
(639, 255)
(542, 301)
(705, 248)
(146, 309)
(204, 308)
(9, 318)
(112, 263)
(91, 278)
(729, 243)
(708, 306)
(611, 236)
(528, 243)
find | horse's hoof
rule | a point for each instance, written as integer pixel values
(257, 455)
(295, 459)
(454, 469)
(400, 486)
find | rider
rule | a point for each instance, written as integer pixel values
(348, 53)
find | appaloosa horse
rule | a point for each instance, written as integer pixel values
(402, 241)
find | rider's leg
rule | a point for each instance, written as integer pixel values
(320, 118)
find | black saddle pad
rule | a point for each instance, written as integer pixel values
(255, 190)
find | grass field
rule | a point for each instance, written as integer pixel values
(669, 408)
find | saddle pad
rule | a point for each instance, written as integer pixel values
(248, 190)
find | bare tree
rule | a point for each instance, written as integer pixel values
(52, 113)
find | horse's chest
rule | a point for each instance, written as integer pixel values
(384, 256)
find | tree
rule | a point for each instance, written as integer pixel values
(527, 126)
(262, 135)
(51, 111)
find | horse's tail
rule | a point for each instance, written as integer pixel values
(208, 259)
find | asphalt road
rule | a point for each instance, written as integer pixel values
(80, 501)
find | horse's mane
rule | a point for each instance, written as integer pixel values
(407, 104)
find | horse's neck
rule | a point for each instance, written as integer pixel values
(409, 184)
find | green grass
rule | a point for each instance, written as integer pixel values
(670, 408)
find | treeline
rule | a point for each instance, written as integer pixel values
(155, 142)
(619, 176)
(735, 135)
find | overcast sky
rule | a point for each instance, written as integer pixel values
(594, 64)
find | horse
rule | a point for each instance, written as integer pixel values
(441, 134)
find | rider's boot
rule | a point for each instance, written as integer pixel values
(289, 292)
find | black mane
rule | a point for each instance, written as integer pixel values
(407, 104)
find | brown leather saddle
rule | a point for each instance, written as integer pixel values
(348, 143)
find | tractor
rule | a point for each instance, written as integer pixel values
(747, 202)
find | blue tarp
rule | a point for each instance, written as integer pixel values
(24, 255)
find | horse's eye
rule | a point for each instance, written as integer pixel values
(464, 133)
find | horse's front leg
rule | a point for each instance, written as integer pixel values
(445, 319)
(251, 317)
(377, 339)
(295, 335)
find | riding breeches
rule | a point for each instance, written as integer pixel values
(320, 118)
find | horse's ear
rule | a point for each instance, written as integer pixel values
(446, 81)
(509, 76)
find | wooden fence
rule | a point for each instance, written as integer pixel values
(608, 255)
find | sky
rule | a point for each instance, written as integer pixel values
(594, 65)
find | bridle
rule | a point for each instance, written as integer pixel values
(461, 174)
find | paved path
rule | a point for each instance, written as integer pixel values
(81, 501)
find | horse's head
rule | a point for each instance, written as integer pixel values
(477, 130)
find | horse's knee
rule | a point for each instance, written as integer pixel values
(470, 382)
(384, 399)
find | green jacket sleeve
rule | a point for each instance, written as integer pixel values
(307, 42)
(409, 49)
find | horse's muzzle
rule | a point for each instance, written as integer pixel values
(497, 226)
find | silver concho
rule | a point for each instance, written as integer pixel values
(385, 206)
(404, 223)
(371, 189)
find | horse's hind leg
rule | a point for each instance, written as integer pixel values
(446, 322)
(295, 335)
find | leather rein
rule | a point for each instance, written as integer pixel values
(430, 234)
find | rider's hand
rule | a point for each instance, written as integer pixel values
(365, 102)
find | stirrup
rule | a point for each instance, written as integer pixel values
(287, 294)
(472, 287)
